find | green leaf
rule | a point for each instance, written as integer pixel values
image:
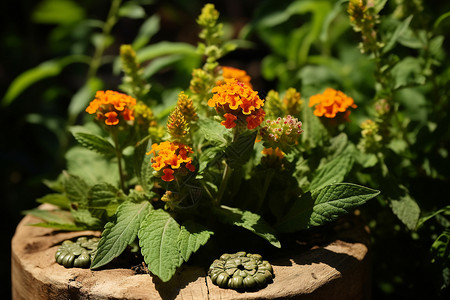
(148, 29)
(58, 12)
(92, 166)
(131, 10)
(160, 63)
(59, 200)
(192, 237)
(95, 143)
(164, 48)
(213, 131)
(83, 216)
(119, 234)
(402, 204)
(441, 246)
(238, 152)
(379, 5)
(142, 165)
(314, 133)
(58, 226)
(52, 216)
(105, 197)
(399, 31)
(440, 19)
(324, 205)
(333, 172)
(158, 239)
(44, 70)
(75, 188)
(82, 97)
(249, 221)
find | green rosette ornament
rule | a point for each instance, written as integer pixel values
(77, 254)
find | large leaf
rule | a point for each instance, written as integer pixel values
(95, 143)
(333, 172)
(44, 70)
(249, 221)
(192, 237)
(402, 204)
(52, 216)
(158, 239)
(59, 200)
(119, 234)
(105, 197)
(213, 131)
(75, 188)
(239, 151)
(324, 205)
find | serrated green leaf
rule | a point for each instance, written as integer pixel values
(104, 197)
(59, 200)
(402, 204)
(192, 237)
(52, 216)
(75, 188)
(214, 132)
(324, 205)
(119, 234)
(158, 239)
(333, 172)
(83, 216)
(95, 143)
(400, 30)
(239, 151)
(248, 220)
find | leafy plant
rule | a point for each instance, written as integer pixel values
(175, 187)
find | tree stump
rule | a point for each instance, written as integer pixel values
(337, 270)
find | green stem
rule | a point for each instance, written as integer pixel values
(110, 22)
(119, 157)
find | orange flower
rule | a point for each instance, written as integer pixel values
(169, 157)
(273, 152)
(110, 105)
(236, 100)
(235, 73)
(330, 103)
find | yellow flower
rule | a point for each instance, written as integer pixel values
(110, 105)
(170, 157)
(330, 103)
(241, 101)
(273, 152)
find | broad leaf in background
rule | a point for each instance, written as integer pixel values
(82, 97)
(324, 205)
(240, 150)
(314, 132)
(119, 234)
(76, 188)
(401, 202)
(104, 197)
(192, 237)
(52, 216)
(158, 239)
(148, 29)
(59, 200)
(213, 132)
(249, 221)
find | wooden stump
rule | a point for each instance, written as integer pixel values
(337, 270)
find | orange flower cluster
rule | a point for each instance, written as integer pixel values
(274, 152)
(109, 105)
(170, 157)
(235, 73)
(237, 101)
(330, 103)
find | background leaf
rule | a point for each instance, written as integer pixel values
(324, 205)
(248, 220)
(95, 143)
(59, 200)
(119, 234)
(158, 239)
(192, 237)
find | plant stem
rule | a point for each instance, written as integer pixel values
(110, 22)
(119, 157)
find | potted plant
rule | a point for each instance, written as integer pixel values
(222, 157)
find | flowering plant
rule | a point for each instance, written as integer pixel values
(226, 157)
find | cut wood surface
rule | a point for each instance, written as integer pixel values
(337, 270)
